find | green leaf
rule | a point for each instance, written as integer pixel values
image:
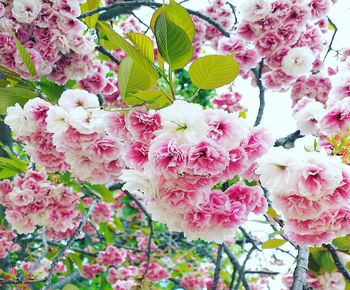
(89, 5)
(129, 212)
(143, 43)
(173, 42)
(273, 243)
(106, 231)
(70, 287)
(27, 60)
(132, 79)
(52, 90)
(102, 191)
(7, 173)
(131, 51)
(213, 71)
(327, 262)
(12, 95)
(276, 233)
(176, 14)
(119, 225)
(342, 243)
(154, 99)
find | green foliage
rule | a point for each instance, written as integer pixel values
(27, 60)
(342, 243)
(321, 260)
(173, 43)
(51, 90)
(9, 96)
(184, 85)
(213, 71)
(12, 165)
(70, 287)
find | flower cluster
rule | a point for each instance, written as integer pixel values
(176, 158)
(52, 35)
(33, 201)
(311, 190)
(7, 244)
(287, 34)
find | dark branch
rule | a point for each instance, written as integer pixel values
(250, 238)
(258, 73)
(217, 267)
(288, 141)
(337, 261)
(241, 270)
(299, 275)
(68, 245)
(120, 8)
(107, 53)
(236, 265)
(45, 251)
(233, 8)
(151, 233)
(261, 273)
(330, 47)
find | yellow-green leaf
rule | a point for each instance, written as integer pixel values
(342, 243)
(173, 42)
(27, 60)
(213, 71)
(272, 213)
(89, 5)
(12, 95)
(143, 43)
(178, 15)
(70, 287)
(131, 51)
(132, 79)
(155, 99)
(273, 243)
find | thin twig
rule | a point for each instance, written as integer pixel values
(250, 239)
(151, 233)
(107, 53)
(44, 253)
(75, 277)
(261, 272)
(217, 267)
(288, 141)
(241, 270)
(330, 47)
(233, 8)
(236, 265)
(68, 245)
(258, 73)
(299, 275)
(337, 261)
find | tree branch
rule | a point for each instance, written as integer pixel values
(217, 267)
(119, 8)
(300, 270)
(258, 73)
(330, 47)
(233, 8)
(261, 272)
(75, 277)
(288, 141)
(236, 264)
(68, 245)
(44, 253)
(107, 53)
(151, 233)
(250, 239)
(241, 270)
(337, 261)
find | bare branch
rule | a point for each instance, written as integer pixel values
(300, 270)
(107, 53)
(44, 253)
(258, 73)
(114, 10)
(250, 239)
(233, 8)
(236, 265)
(288, 141)
(68, 245)
(337, 261)
(75, 277)
(151, 233)
(330, 47)
(261, 272)
(217, 267)
(241, 270)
